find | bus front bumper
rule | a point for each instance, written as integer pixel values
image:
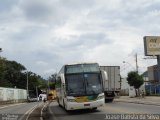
(84, 105)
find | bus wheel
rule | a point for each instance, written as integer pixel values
(58, 102)
(65, 106)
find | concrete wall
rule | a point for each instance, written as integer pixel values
(12, 95)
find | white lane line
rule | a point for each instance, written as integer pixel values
(27, 112)
(31, 111)
(41, 118)
(11, 105)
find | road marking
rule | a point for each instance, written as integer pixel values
(28, 112)
(31, 111)
(41, 118)
(11, 105)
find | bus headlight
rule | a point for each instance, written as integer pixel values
(71, 100)
(100, 97)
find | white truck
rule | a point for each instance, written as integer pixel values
(111, 85)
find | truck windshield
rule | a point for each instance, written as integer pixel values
(83, 84)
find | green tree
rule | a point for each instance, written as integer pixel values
(34, 81)
(10, 72)
(51, 80)
(135, 80)
(53, 77)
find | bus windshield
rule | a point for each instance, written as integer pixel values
(79, 68)
(75, 85)
(83, 84)
(93, 83)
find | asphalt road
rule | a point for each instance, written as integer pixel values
(112, 111)
(115, 110)
(20, 111)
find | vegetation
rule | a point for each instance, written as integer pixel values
(135, 80)
(12, 74)
(52, 81)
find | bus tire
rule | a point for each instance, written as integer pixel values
(65, 107)
(58, 102)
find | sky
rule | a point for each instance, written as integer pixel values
(43, 35)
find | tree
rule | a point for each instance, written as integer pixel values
(53, 77)
(10, 72)
(135, 80)
(52, 80)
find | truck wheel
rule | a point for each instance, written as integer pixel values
(95, 108)
(108, 100)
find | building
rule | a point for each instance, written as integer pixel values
(152, 80)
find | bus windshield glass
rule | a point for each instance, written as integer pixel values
(79, 68)
(93, 83)
(83, 84)
(75, 85)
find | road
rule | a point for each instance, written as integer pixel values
(20, 111)
(106, 112)
(112, 111)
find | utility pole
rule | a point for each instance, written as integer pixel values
(136, 63)
(27, 87)
(0, 51)
(37, 93)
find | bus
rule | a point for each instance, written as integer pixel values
(80, 86)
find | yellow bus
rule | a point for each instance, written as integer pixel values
(51, 95)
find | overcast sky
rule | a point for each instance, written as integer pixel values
(43, 35)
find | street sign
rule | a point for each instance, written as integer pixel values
(152, 45)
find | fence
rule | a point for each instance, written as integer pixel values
(152, 89)
(124, 92)
(12, 95)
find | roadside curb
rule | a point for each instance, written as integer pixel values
(138, 102)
